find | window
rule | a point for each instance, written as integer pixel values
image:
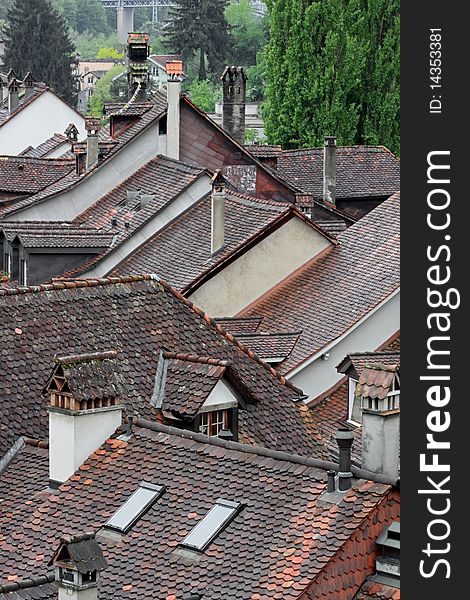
(355, 411)
(7, 263)
(131, 511)
(212, 423)
(211, 525)
(90, 79)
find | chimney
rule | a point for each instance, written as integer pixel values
(344, 439)
(138, 51)
(234, 100)
(84, 410)
(78, 562)
(28, 85)
(71, 132)
(217, 212)
(92, 126)
(379, 391)
(329, 170)
(174, 72)
(13, 98)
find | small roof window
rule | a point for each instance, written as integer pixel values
(211, 525)
(135, 506)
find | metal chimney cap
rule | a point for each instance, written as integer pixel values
(344, 434)
(330, 140)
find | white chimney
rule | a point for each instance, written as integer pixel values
(92, 126)
(329, 170)
(217, 212)
(174, 72)
(379, 391)
(85, 409)
(28, 85)
(13, 97)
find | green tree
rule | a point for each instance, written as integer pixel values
(109, 53)
(36, 40)
(84, 15)
(102, 91)
(248, 33)
(205, 94)
(199, 27)
(329, 64)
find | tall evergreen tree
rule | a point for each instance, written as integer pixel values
(333, 69)
(36, 40)
(199, 27)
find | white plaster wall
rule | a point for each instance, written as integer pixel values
(221, 397)
(68, 205)
(37, 122)
(72, 438)
(59, 151)
(258, 270)
(319, 375)
(195, 192)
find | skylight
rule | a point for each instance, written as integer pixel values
(135, 506)
(211, 525)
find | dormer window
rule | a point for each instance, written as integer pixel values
(212, 423)
(354, 403)
(211, 525)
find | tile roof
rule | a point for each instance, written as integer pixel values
(240, 325)
(362, 171)
(181, 251)
(358, 360)
(377, 591)
(162, 178)
(71, 179)
(136, 316)
(27, 175)
(295, 536)
(271, 345)
(376, 380)
(264, 150)
(29, 590)
(47, 147)
(330, 294)
(62, 234)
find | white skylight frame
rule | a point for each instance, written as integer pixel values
(136, 505)
(209, 527)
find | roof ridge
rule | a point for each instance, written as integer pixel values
(259, 450)
(205, 360)
(89, 357)
(268, 333)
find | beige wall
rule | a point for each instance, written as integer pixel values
(259, 269)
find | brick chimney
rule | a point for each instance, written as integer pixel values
(379, 391)
(84, 410)
(13, 98)
(329, 170)
(217, 212)
(234, 101)
(78, 562)
(28, 85)
(92, 126)
(174, 72)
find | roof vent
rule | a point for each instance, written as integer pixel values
(131, 196)
(145, 200)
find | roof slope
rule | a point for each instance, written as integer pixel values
(27, 175)
(137, 317)
(182, 251)
(329, 295)
(362, 171)
(282, 520)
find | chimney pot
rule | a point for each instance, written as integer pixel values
(28, 85)
(92, 126)
(329, 170)
(13, 98)
(226, 434)
(130, 421)
(330, 481)
(174, 71)
(217, 212)
(344, 439)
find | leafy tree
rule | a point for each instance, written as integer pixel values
(199, 27)
(332, 68)
(88, 45)
(205, 94)
(102, 91)
(36, 40)
(255, 81)
(248, 33)
(84, 15)
(109, 53)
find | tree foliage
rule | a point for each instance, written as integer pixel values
(105, 91)
(205, 94)
(247, 32)
(332, 68)
(199, 27)
(36, 40)
(84, 15)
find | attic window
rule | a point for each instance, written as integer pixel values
(135, 506)
(213, 422)
(211, 525)
(355, 411)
